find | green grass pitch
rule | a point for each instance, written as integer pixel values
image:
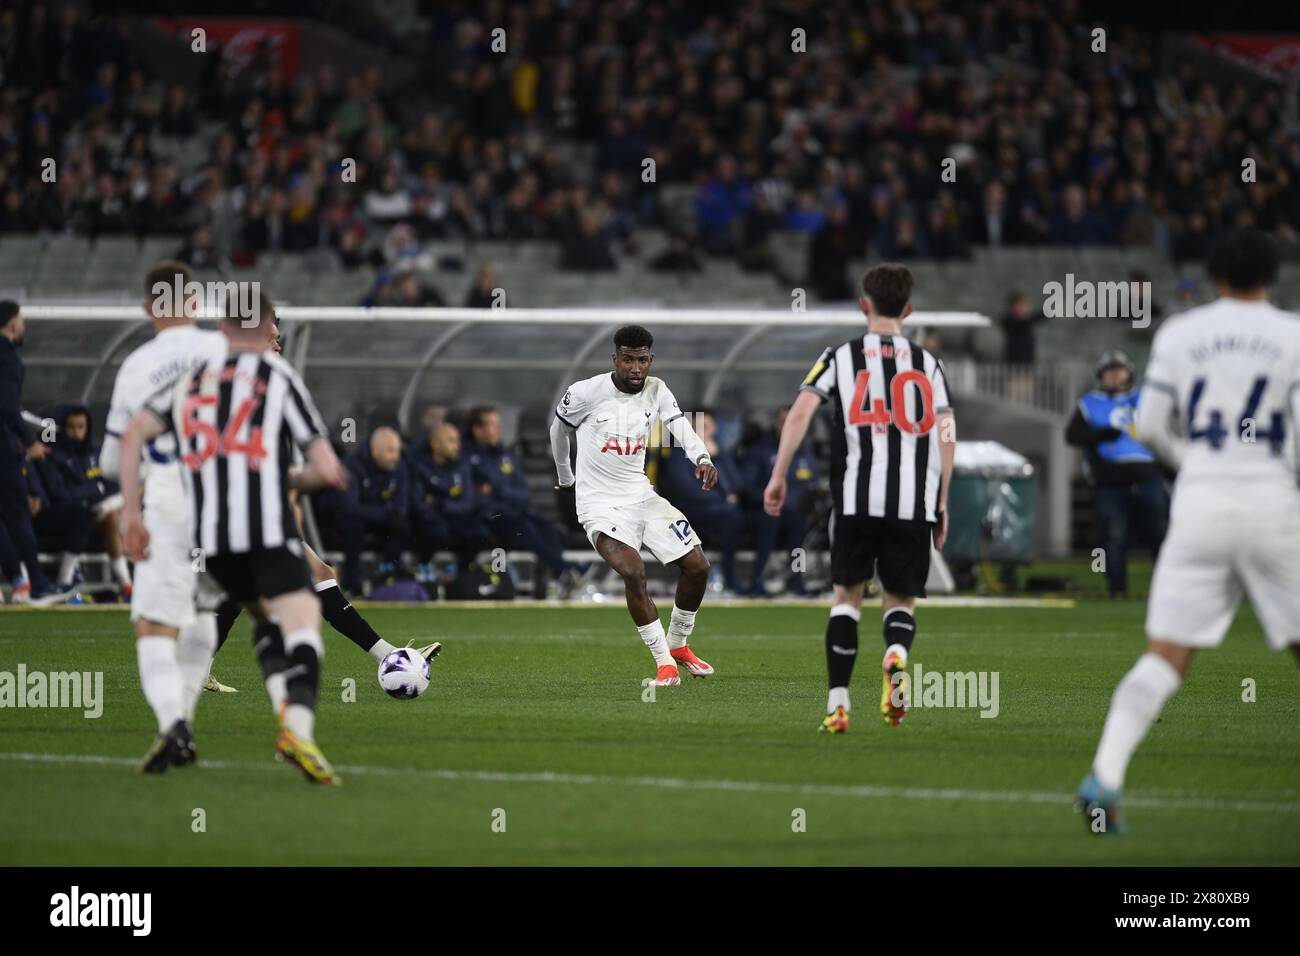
(534, 746)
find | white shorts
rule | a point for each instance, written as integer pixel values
(1215, 551)
(166, 583)
(654, 523)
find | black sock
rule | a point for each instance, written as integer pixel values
(900, 628)
(303, 676)
(345, 619)
(841, 648)
(226, 614)
(268, 645)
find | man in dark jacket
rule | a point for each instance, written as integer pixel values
(377, 502)
(448, 511)
(507, 509)
(78, 493)
(789, 529)
(1129, 484)
(17, 450)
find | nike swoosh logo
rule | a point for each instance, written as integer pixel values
(297, 670)
(846, 651)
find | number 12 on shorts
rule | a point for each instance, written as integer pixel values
(682, 528)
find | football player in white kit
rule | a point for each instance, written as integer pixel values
(1219, 404)
(612, 415)
(174, 645)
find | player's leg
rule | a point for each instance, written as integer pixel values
(691, 588)
(343, 617)
(841, 654)
(162, 605)
(1195, 592)
(852, 563)
(904, 566)
(627, 564)
(298, 614)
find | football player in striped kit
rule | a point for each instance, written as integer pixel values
(229, 418)
(891, 467)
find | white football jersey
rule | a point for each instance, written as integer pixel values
(613, 432)
(1232, 368)
(157, 364)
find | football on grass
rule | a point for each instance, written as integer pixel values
(404, 674)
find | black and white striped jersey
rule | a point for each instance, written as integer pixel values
(236, 421)
(887, 394)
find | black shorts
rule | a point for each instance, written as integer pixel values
(898, 550)
(266, 573)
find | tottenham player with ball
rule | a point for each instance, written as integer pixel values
(612, 415)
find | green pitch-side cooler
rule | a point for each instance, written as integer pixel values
(990, 506)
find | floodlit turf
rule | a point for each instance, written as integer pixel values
(535, 720)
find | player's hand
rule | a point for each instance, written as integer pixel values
(774, 496)
(707, 473)
(941, 530)
(135, 537)
(34, 505)
(37, 451)
(336, 475)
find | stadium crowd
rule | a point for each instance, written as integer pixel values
(1051, 142)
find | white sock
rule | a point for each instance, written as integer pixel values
(680, 626)
(67, 567)
(160, 678)
(381, 649)
(300, 720)
(838, 697)
(653, 635)
(1134, 707)
(194, 649)
(121, 570)
(278, 690)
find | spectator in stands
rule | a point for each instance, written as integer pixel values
(1074, 224)
(587, 250)
(482, 294)
(721, 204)
(829, 254)
(787, 531)
(198, 251)
(1019, 346)
(679, 256)
(376, 504)
(448, 510)
(1129, 487)
(18, 450)
(1018, 330)
(716, 514)
(77, 494)
(502, 487)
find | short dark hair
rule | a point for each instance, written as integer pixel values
(166, 272)
(1243, 259)
(889, 287)
(8, 309)
(476, 415)
(633, 337)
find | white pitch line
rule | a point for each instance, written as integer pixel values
(862, 791)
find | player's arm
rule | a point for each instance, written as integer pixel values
(1155, 426)
(307, 428)
(793, 432)
(682, 432)
(560, 444)
(1156, 421)
(149, 422)
(946, 422)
